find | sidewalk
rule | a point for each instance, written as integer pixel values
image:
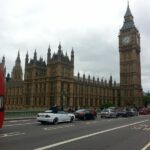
(19, 118)
(21, 114)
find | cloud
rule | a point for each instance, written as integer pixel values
(91, 27)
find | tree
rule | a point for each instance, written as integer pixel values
(106, 105)
(146, 100)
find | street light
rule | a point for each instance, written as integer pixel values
(63, 99)
(62, 96)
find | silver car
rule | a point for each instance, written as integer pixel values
(108, 113)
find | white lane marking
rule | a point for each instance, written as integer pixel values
(11, 134)
(59, 127)
(146, 129)
(143, 127)
(88, 135)
(146, 146)
(19, 124)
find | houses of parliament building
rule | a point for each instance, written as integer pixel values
(52, 82)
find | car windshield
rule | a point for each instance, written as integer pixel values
(48, 111)
(132, 109)
(61, 112)
(81, 110)
(1, 102)
(105, 110)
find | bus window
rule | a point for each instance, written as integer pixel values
(1, 102)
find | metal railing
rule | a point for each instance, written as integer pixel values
(22, 113)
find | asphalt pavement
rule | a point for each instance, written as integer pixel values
(101, 134)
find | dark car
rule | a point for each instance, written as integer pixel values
(144, 111)
(127, 112)
(85, 114)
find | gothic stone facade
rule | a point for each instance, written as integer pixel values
(53, 82)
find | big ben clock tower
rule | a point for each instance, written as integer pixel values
(130, 66)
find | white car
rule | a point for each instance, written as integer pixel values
(51, 117)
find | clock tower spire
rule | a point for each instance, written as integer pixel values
(130, 66)
(128, 20)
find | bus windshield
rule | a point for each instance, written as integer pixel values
(1, 102)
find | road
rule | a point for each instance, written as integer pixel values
(101, 134)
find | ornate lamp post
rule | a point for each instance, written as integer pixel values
(63, 97)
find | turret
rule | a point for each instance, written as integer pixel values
(35, 56)
(17, 70)
(3, 61)
(78, 75)
(72, 56)
(110, 81)
(27, 58)
(102, 82)
(48, 54)
(88, 78)
(93, 79)
(8, 77)
(83, 77)
(18, 61)
(59, 48)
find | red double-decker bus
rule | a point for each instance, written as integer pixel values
(2, 91)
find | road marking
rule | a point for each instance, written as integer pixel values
(90, 122)
(19, 124)
(143, 127)
(146, 146)
(10, 134)
(88, 135)
(59, 127)
(146, 129)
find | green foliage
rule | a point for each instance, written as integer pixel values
(106, 105)
(146, 100)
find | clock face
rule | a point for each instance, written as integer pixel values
(126, 40)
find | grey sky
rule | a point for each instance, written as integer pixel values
(91, 27)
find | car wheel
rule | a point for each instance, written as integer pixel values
(55, 121)
(71, 119)
(94, 117)
(84, 118)
(43, 122)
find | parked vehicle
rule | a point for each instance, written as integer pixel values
(127, 112)
(108, 113)
(113, 108)
(94, 112)
(144, 111)
(50, 116)
(85, 114)
(133, 111)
